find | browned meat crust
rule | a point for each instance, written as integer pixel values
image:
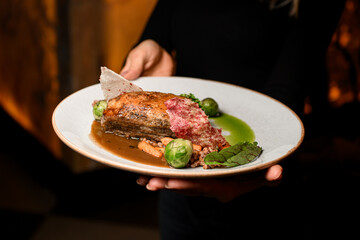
(138, 114)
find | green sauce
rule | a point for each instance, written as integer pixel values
(234, 129)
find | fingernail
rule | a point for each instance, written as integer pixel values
(166, 185)
(148, 187)
(123, 73)
(279, 176)
(141, 182)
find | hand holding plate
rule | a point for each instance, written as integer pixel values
(224, 189)
(148, 59)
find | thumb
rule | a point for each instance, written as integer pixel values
(274, 175)
(133, 68)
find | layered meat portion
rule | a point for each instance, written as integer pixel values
(190, 122)
(138, 115)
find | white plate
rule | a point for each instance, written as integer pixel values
(278, 130)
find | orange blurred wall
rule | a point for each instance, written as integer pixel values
(98, 33)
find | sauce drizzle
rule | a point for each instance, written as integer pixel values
(123, 147)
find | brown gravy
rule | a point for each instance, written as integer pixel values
(123, 147)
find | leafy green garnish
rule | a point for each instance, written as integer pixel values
(192, 97)
(235, 155)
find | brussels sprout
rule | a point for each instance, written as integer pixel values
(210, 107)
(98, 109)
(178, 152)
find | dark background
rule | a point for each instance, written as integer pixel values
(44, 197)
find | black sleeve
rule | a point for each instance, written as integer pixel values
(286, 81)
(158, 26)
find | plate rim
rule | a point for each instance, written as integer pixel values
(179, 173)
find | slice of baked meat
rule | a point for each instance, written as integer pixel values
(138, 115)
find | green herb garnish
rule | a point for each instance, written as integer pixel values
(235, 155)
(208, 105)
(192, 97)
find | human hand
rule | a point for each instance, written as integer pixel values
(224, 189)
(148, 59)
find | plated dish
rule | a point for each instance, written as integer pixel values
(277, 129)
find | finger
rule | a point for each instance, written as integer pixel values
(274, 173)
(134, 67)
(189, 187)
(126, 67)
(156, 183)
(185, 184)
(143, 180)
(193, 187)
(274, 176)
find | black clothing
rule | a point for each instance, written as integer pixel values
(243, 43)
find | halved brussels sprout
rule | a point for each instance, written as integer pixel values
(98, 109)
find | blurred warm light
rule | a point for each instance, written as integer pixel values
(45, 56)
(13, 109)
(307, 107)
(350, 6)
(338, 97)
(343, 57)
(345, 36)
(334, 93)
(29, 66)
